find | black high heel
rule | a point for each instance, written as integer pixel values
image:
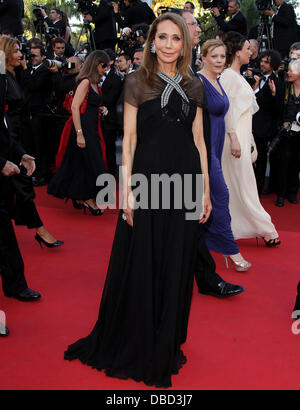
(272, 242)
(94, 212)
(77, 205)
(41, 241)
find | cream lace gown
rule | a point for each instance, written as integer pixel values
(248, 217)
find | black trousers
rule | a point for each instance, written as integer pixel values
(11, 261)
(110, 137)
(42, 132)
(205, 274)
(22, 206)
(260, 166)
(289, 165)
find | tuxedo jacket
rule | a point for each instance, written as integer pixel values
(37, 88)
(9, 149)
(111, 91)
(266, 119)
(285, 29)
(138, 13)
(59, 25)
(238, 23)
(11, 14)
(105, 24)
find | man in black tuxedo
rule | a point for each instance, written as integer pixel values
(207, 279)
(269, 96)
(36, 82)
(56, 50)
(284, 26)
(13, 160)
(55, 20)
(111, 86)
(237, 21)
(105, 33)
(137, 12)
(11, 14)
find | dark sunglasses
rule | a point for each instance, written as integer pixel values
(104, 65)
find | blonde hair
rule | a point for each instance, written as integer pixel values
(7, 46)
(149, 65)
(90, 66)
(210, 45)
(295, 66)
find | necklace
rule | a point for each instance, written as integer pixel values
(214, 82)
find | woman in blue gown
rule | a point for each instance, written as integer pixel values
(219, 236)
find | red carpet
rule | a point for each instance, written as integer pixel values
(244, 342)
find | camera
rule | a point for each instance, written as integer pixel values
(284, 64)
(250, 79)
(86, 7)
(37, 12)
(62, 66)
(51, 33)
(164, 9)
(222, 5)
(262, 5)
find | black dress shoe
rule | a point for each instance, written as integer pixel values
(4, 332)
(280, 201)
(27, 295)
(223, 290)
(293, 199)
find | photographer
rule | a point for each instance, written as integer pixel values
(11, 15)
(269, 96)
(237, 21)
(64, 81)
(140, 32)
(284, 26)
(105, 32)
(54, 20)
(57, 50)
(189, 6)
(37, 87)
(111, 87)
(289, 145)
(136, 12)
(138, 57)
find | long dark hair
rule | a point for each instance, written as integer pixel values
(234, 42)
(89, 68)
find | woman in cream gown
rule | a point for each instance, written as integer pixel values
(248, 217)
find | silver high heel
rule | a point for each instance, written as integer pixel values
(240, 266)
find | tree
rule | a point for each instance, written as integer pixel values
(68, 6)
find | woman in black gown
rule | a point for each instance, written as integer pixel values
(83, 159)
(146, 299)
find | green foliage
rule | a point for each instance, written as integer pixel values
(68, 6)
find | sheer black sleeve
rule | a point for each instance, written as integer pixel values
(132, 92)
(195, 92)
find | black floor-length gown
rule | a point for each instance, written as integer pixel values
(146, 299)
(76, 177)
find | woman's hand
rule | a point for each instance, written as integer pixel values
(207, 208)
(128, 211)
(103, 111)
(81, 140)
(235, 146)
